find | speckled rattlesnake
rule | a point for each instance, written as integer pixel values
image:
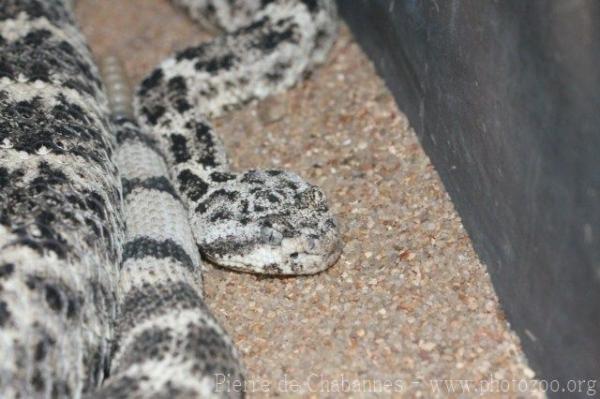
(81, 297)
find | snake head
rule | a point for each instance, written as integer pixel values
(267, 222)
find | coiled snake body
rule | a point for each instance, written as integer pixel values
(102, 212)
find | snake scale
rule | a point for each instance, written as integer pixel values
(105, 213)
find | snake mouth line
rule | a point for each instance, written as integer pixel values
(284, 266)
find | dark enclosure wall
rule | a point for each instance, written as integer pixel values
(505, 97)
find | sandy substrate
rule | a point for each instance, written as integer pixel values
(408, 303)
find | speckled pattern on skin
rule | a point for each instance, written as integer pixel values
(168, 344)
(60, 224)
(61, 189)
(408, 299)
(272, 221)
(268, 222)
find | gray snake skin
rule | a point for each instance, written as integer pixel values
(102, 211)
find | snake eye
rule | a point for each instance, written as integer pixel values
(270, 236)
(310, 243)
